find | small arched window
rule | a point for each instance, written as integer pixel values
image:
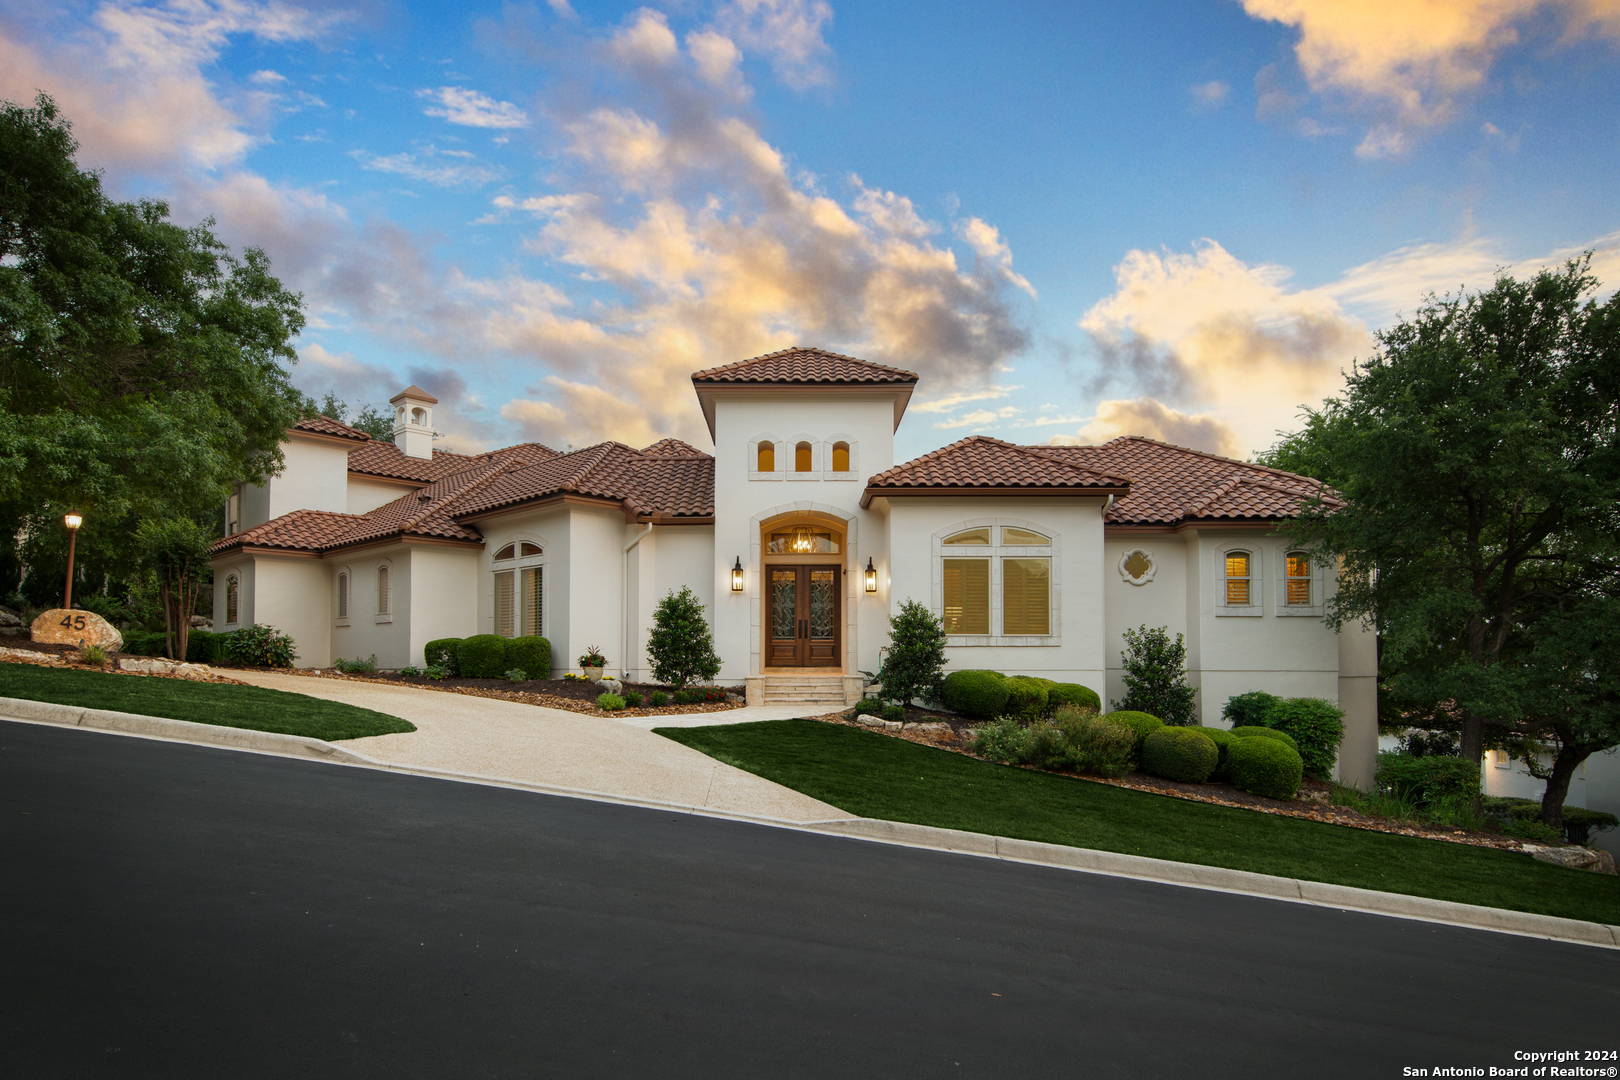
(1238, 574)
(343, 596)
(801, 457)
(383, 607)
(1298, 584)
(840, 457)
(233, 600)
(418, 417)
(766, 458)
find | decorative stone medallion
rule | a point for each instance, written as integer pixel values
(1137, 567)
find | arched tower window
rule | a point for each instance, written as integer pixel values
(343, 596)
(801, 457)
(840, 457)
(766, 461)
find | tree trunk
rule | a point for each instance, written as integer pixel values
(1570, 756)
(168, 621)
(184, 602)
(1472, 747)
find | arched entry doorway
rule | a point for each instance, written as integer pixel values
(803, 594)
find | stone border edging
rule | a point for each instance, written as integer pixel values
(899, 833)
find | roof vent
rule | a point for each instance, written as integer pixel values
(422, 496)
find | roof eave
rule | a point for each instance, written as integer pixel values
(708, 390)
(886, 491)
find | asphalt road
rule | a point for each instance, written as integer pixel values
(177, 911)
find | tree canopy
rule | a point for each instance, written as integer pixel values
(1477, 453)
(143, 366)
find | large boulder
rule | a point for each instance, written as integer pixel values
(59, 626)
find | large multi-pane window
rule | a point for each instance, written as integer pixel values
(1239, 578)
(233, 600)
(996, 580)
(519, 589)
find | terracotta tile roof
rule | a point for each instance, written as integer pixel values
(802, 365)
(673, 448)
(680, 484)
(325, 425)
(415, 392)
(378, 458)
(1172, 484)
(301, 530)
(983, 462)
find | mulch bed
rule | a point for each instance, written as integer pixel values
(572, 695)
(955, 740)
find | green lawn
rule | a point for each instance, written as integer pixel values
(880, 777)
(203, 703)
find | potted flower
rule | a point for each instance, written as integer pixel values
(593, 662)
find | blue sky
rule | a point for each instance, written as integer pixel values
(1181, 220)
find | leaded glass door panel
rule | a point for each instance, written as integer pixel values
(802, 609)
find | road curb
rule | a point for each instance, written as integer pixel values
(899, 833)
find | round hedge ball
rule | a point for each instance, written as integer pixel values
(1266, 767)
(482, 656)
(1224, 741)
(981, 695)
(1026, 698)
(1266, 733)
(1180, 753)
(1144, 724)
(1071, 693)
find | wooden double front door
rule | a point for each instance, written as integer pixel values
(802, 616)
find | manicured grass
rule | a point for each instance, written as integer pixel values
(221, 704)
(879, 777)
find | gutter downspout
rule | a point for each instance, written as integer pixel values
(624, 592)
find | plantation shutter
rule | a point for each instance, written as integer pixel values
(967, 596)
(382, 590)
(343, 596)
(1237, 579)
(505, 602)
(1026, 593)
(532, 582)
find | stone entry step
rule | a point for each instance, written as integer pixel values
(832, 691)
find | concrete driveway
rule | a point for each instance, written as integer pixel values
(506, 740)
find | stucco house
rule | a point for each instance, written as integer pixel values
(802, 535)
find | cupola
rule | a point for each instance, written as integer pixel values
(413, 421)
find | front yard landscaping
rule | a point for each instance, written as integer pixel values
(221, 704)
(880, 777)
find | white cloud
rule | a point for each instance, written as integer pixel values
(980, 418)
(133, 81)
(1210, 95)
(786, 32)
(428, 165)
(470, 108)
(267, 78)
(1410, 63)
(951, 402)
(1154, 420)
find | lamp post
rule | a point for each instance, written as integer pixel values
(72, 521)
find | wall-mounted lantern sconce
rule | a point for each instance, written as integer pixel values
(871, 576)
(737, 576)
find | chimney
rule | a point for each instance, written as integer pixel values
(413, 421)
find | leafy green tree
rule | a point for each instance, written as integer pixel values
(176, 551)
(373, 421)
(914, 667)
(1478, 456)
(679, 643)
(1156, 676)
(143, 366)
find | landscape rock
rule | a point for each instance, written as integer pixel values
(60, 626)
(868, 720)
(1575, 858)
(201, 622)
(8, 618)
(157, 665)
(893, 725)
(933, 727)
(1313, 795)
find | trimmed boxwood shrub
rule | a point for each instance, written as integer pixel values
(206, 647)
(609, 702)
(894, 712)
(1268, 767)
(1266, 733)
(1071, 693)
(482, 656)
(1180, 753)
(1026, 699)
(1139, 722)
(258, 645)
(442, 652)
(981, 695)
(868, 706)
(1249, 710)
(531, 653)
(142, 643)
(1224, 741)
(1427, 779)
(1317, 728)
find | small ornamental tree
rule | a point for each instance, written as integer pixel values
(915, 664)
(176, 550)
(679, 643)
(1156, 676)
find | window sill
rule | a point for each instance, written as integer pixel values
(383, 618)
(341, 622)
(1010, 641)
(1240, 612)
(831, 474)
(753, 475)
(804, 475)
(1300, 610)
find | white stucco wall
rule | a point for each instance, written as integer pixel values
(670, 557)
(1075, 652)
(242, 567)
(371, 633)
(744, 498)
(364, 494)
(551, 528)
(287, 591)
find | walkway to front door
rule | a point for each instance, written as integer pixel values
(802, 608)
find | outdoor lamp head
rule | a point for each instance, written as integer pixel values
(737, 576)
(871, 576)
(74, 520)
